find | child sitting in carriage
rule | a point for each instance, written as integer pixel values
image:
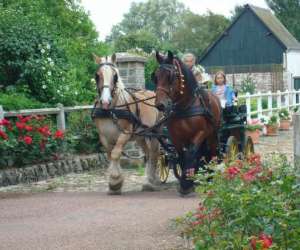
(224, 92)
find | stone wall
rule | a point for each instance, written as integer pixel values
(44, 171)
(131, 68)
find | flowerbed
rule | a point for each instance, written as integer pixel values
(249, 205)
(29, 140)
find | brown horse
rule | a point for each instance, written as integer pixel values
(195, 115)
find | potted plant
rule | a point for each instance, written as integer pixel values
(272, 126)
(285, 120)
(253, 129)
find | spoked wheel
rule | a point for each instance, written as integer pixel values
(232, 149)
(177, 171)
(163, 168)
(248, 147)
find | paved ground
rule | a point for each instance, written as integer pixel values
(74, 212)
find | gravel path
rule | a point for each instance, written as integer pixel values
(74, 211)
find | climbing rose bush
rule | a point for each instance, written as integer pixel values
(29, 140)
(249, 205)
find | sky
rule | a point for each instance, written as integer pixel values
(106, 13)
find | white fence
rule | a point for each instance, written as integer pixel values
(266, 103)
(258, 104)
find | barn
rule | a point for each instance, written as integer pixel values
(256, 47)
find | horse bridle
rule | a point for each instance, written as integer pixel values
(115, 79)
(175, 73)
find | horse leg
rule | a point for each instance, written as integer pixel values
(116, 178)
(151, 150)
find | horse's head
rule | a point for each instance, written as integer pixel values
(107, 77)
(169, 80)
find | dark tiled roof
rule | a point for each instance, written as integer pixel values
(276, 27)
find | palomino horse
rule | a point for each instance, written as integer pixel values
(195, 115)
(115, 133)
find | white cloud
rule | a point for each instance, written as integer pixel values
(109, 12)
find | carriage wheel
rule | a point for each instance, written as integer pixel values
(232, 149)
(248, 147)
(163, 169)
(177, 171)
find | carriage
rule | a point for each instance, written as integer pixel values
(232, 143)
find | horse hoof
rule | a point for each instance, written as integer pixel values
(188, 192)
(116, 192)
(149, 188)
(115, 187)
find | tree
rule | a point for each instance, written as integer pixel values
(35, 33)
(288, 12)
(196, 32)
(160, 17)
(238, 9)
(140, 39)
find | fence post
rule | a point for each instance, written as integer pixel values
(294, 93)
(296, 119)
(287, 100)
(1, 114)
(278, 99)
(61, 122)
(270, 103)
(259, 105)
(248, 105)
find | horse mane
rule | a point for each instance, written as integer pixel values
(188, 76)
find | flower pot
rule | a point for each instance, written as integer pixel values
(272, 130)
(254, 135)
(285, 124)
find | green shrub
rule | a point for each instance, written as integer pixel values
(248, 205)
(29, 140)
(248, 85)
(16, 101)
(82, 133)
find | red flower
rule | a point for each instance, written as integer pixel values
(27, 140)
(266, 240)
(24, 119)
(28, 128)
(232, 172)
(248, 177)
(239, 163)
(20, 125)
(59, 134)
(255, 159)
(3, 135)
(4, 122)
(44, 131)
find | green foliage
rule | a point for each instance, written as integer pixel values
(248, 85)
(284, 114)
(15, 101)
(82, 133)
(196, 32)
(166, 25)
(247, 205)
(150, 67)
(288, 12)
(140, 39)
(47, 47)
(255, 127)
(273, 121)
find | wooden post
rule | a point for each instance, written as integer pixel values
(278, 99)
(270, 103)
(61, 122)
(248, 105)
(296, 119)
(259, 105)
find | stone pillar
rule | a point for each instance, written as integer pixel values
(296, 120)
(131, 68)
